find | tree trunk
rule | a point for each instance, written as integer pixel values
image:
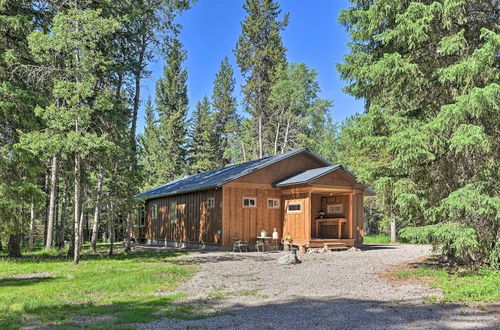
(111, 228)
(77, 214)
(97, 213)
(393, 228)
(128, 232)
(62, 222)
(52, 204)
(32, 226)
(15, 245)
(260, 136)
(285, 140)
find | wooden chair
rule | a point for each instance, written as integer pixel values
(262, 244)
(239, 244)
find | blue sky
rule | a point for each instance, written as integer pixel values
(313, 36)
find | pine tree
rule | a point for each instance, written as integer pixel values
(225, 116)
(150, 150)
(203, 141)
(428, 140)
(301, 117)
(259, 52)
(172, 104)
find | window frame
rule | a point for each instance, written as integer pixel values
(294, 211)
(210, 202)
(174, 212)
(275, 203)
(141, 216)
(249, 199)
(333, 206)
(154, 212)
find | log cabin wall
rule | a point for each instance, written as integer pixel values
(246, 223)
(185, 218)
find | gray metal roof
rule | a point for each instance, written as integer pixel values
(216, 178)
(306, 176)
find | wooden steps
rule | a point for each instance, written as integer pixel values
(335, 246)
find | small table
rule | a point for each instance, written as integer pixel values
(263, 239)
(331, 221)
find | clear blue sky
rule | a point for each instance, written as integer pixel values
(313, 36)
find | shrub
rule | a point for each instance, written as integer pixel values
(450, 239)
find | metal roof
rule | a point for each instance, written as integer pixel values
(216, 178)
(306, 176)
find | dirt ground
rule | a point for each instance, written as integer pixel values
(337, 290)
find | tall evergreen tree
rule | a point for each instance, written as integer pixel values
(202, 142)
(225, 115)
(259, 52)
(150, 149)
(72, 59)
(428, 140)
(301, 117)
(172, 104)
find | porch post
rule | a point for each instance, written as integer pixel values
(350, 214)
(308, 216)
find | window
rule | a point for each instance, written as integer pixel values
(249, 202)
(141, 219)
(334, 208)
(210, 202)
(294, 207)
(154, 212)
(273, 203)
(173, 212)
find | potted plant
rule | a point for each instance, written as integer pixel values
(263, 233)
(287, 242)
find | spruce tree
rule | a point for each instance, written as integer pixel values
(225, 115)
(203, 143)
(259, 52)
(172, 104)
(150, 148)
(428, 140)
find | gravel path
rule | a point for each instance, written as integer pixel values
(339, 290)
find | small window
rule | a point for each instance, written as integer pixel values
(173, 212)
(141, 219)
(334, 208)
(210, 202)
(273, 203)
(249, 202)
(294, 207)
(154, 212)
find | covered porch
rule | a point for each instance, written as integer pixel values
(329, 216)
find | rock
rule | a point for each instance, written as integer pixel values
(289, 259)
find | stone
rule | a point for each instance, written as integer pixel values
(289, 259)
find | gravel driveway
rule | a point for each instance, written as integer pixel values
(339, 290)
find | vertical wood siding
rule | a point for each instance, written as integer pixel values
(246, 223)
(195, 222)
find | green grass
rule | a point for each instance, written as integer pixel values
(377, 239)
(481, 285)
(132, 287)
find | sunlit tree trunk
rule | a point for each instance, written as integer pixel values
(52, 204)
(77, 207)
(97, 212)
(32, 226)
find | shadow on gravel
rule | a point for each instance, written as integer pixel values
(335, 313)
(368, 247)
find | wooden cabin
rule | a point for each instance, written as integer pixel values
(299, 193)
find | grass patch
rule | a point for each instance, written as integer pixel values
(43, 287)
(481, 285)
(377, 239)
